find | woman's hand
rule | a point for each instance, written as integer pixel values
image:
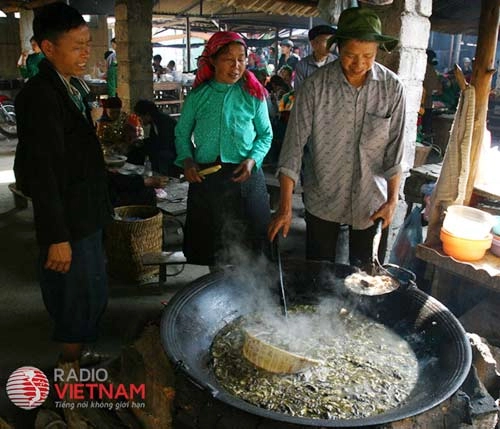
(243, 171)
(191, 171)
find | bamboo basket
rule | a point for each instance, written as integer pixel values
(274, 359)
(127, 240)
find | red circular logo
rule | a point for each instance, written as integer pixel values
(27, 387)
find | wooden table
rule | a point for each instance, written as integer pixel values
(427, 173)
(169, 94)
(97, 89)
(458, 283)
(483, 196)
(176, 202)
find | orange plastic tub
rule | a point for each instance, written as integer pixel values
(464, 249)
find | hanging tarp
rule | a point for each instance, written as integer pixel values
(377, 2)
(330, 10)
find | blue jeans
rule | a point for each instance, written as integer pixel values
(77, 299)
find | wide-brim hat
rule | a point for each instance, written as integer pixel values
(362, 24)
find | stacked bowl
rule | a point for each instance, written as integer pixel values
(466, 232)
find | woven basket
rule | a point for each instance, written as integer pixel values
(127, 240)
(274, 359)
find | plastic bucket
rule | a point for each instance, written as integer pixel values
(468, 222)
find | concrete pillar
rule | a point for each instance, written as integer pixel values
(26, 28)
(10, 48)
(133, 30)
(408, 20)
(100, 43)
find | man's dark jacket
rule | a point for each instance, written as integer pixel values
(59, 161)
(161, 146)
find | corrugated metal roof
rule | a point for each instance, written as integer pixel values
(451, 16)
(302, 8)
(278, 7)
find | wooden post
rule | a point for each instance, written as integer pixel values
(482, 73)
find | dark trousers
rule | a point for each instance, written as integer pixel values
(321, 242)
(223, 218)
(77, 299)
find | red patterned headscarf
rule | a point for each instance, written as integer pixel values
(206, 70)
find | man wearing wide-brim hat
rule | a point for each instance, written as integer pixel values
(351, 114)
(318, 38)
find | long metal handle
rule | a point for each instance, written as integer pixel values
(376, 240)
(280, 268)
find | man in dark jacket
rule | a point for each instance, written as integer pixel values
(287, 58)
(59, 164)
(159, 145)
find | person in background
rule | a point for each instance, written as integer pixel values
(134, 189)
(321, 55)
(271, 60)
(262, 75)
(467, 68)
(287, 57)
(28, 63)
(158, 69)
(170, 66)
(277, 89)
(60, 165)
(159, 144)
(117, 130)
(432, 86)
(451, 91)
(112, 70)
(296, 51)
(224, 122)
(255, 59)
(286, 73)
(351, 114)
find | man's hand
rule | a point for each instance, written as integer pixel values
(281, 220)
(243, 171)
(59, 257)
(386, 211)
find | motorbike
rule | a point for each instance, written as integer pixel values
(8, 124)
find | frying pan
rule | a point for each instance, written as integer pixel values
(382, 278)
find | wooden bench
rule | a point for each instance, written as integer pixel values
(20, 200)
(163, 259)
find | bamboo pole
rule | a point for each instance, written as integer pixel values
(482, 73)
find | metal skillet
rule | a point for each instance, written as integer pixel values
(382, 279)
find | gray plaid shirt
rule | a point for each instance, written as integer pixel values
(355, 142)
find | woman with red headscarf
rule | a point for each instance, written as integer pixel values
(224, 122)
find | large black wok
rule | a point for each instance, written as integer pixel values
(195, 315)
